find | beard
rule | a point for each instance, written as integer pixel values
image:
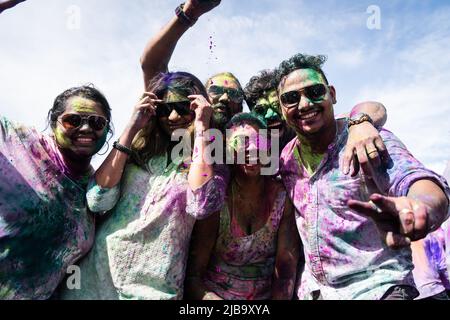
(220, 119)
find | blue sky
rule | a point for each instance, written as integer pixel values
(405, 64)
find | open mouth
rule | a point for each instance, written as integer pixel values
(84, 140)
(275, 124)
(309, 115)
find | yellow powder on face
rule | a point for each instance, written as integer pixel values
(224, 81)
(83, 105)
(61, 139)
(173, 96)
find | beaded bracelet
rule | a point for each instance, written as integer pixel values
(122, 148)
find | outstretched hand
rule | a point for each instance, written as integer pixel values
(195, 8)
(399, 220)
(7, 4)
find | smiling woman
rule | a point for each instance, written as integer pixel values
(141, 247)
(45, 227)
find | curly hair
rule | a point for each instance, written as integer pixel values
(301, 61)
(247, 118)
(259, 85)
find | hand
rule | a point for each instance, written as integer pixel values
(364, 148)
(195, 8)
(399, 220)
(203, 111)
(144, 111)
(7, 4)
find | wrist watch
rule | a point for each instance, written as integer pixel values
(359, 118)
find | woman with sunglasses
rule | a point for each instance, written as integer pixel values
(141, 248)
(248, 250)
(44, 224)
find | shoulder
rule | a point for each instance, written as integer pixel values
(288, 151)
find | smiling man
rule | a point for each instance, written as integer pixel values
(226, 95)
(347, 239)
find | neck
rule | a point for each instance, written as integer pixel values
(318, 142)
(248, 183)
(78, 166)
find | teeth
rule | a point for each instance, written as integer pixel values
(309, 115)
(84, 139)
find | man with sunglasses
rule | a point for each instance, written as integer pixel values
(262, 98)
(226, 95)
(355, 231)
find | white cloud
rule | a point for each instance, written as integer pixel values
(403, 65)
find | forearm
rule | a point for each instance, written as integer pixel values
(110, 172)
(201, 170)
(159, 49)
(196, 290)
(9, 4)
(375, 110)
(435, 200)
(283, 288)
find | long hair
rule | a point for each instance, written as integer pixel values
(152, 141)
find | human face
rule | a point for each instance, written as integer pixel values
(226, 96)
(174, 120)
(245, 140)
(84, 140)
(309, 117)
(269, 108)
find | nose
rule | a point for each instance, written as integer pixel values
(224, 98)
(270, 114)
(304, 102)
(85, 127)
(174, 116)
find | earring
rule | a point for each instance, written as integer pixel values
(107, 148)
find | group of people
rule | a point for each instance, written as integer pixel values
(336, 221)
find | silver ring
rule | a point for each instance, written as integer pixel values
(375, 207)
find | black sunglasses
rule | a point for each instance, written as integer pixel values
(183, 108)
(235, 95)
(314, 93)
(75, 121)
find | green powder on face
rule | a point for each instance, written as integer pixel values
(175, 96)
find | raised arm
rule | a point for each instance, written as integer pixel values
(8, 4)
(365, 148)
(159, 50)
(287, 257)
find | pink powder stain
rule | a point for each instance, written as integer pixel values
(213, 138)
(226, 82)
(205, 175)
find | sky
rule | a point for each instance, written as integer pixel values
(393, 51)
